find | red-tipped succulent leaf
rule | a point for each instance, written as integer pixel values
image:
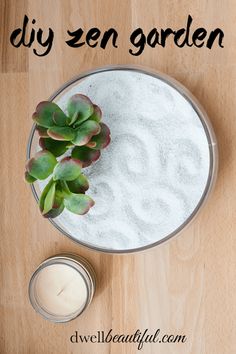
(67, 169)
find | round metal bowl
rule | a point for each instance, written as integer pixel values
(210, 136)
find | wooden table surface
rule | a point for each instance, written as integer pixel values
(186, 286)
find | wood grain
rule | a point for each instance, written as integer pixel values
(186, 286)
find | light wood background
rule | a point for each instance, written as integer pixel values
(186, 286)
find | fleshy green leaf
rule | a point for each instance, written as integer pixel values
(59, 118)
(55, 211)
(29, 178)
(64, 189)
(67, 169)
(57, 206)
(41, 165)
(78, 203)
(79, 185)
(73, 119)
(97, 114)
(56, 147)
(85, 155)
(61, 133)
(102, 139)
(46, 112)
(44, 194)
(42, 132)
(49, 199)
(91, 144)
(79, 107)
(85, 131)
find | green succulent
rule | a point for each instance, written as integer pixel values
(81, 131)
(81, 126)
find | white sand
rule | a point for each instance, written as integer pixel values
(152, 176)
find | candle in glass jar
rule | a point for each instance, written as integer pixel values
(61, 288)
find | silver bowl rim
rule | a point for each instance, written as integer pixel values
(212, 142)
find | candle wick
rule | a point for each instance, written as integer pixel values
(65, 286)
(61, 291)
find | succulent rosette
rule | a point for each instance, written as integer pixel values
(82, 133)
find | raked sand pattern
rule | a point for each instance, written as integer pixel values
(153, 174)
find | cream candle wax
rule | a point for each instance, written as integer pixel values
(62, 287)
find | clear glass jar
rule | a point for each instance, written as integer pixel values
(212, 144)
(76, 266)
